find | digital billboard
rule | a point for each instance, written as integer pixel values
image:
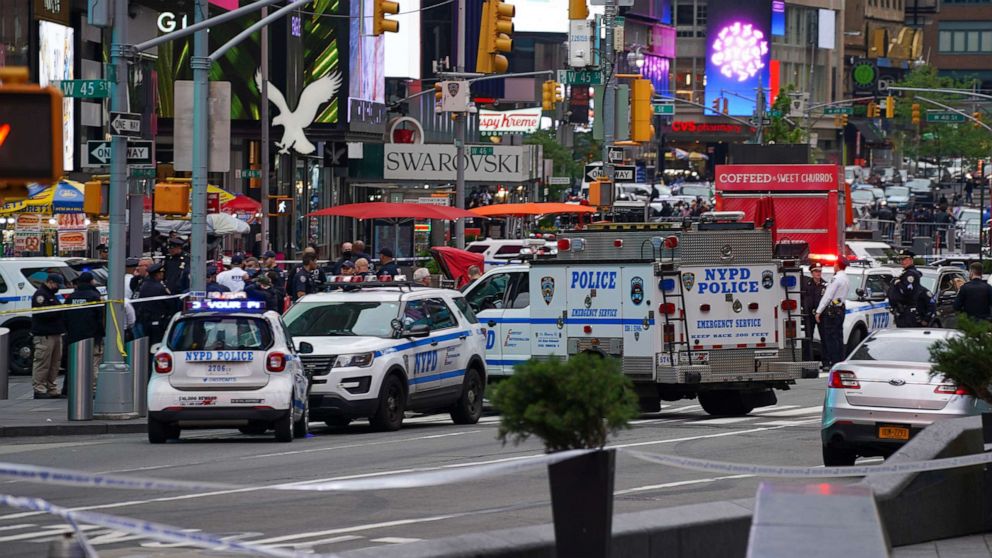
(55, 63)
(738, 48)
(366, 56)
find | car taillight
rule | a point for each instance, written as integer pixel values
(669, 333)
(275, 362)
(667, 308)
(951, 389)
(587, 329)
(789, 304)
(618, 243)
(163, 363)
(790, 329)
(564, 244)
(842, 379)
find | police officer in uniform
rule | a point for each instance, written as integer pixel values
(830, 315)
(177, 267)
(278, 277)
(154, 316)
(906, 293)
(303, 283)
(46, 332)
(812, 292)
(975, 297)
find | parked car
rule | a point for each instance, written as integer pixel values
(919, 185)
(897, 196)
(883, 395)
(940, 282)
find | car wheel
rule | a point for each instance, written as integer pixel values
(21, 352)
(157, 432)
(284, 426)
(724, 403)
(837, 457)
(172, 431)
(253, 429)
(302, 427)
(649, 404)
(857, 336)
(392, 404)
(469, 406)
(337, 422)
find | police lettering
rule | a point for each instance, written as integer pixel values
(231, 356)
(724, 280)
(594, 279)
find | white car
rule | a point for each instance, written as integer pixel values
(227, 363)
(381, 350)
(867, 304)
(873, 252)
(501, 302)
(505, 251)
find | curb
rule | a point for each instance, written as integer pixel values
(81, 429)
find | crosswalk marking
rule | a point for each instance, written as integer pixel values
(47, 531)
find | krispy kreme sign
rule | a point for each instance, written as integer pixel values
(518, 121)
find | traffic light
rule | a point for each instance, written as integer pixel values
(916, 114)
(578, 9)
(890, 107)
(716, 105)
(549, 91)
(726, 106)
(30, 138)
(872, 109)
(977, 115)
(843, 121)
(494, 37)
(641, 112)
(438, 93)
(380, 24)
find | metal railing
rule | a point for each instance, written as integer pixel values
(942, 237)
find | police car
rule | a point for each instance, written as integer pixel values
(867, 305)
(380, 349)
(227, 363)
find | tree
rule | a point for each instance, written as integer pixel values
(964, 360)
(566, 162)
(781, 130)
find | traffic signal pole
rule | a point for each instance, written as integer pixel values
(609, 87)
(461, 120)
(200, 63)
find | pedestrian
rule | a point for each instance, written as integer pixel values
(907, 294)
(212, 285)
(830, 314)
(154, 316)
(88, 322)
(252, 267)
(101, 252)
(362, 267)
(346, 255)
(358, 251)
(46, 332)
(975, 297)
(261, 290)
(140, 274)
(130, 265)
(387, 264)
(176, 267)
(234, 278)
(474, 273)
(811, 294)
(302, 283)
(422, 276)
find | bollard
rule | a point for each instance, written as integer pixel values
(4, 361)
(80, 380)
(137, 359)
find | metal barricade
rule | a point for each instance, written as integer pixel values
(137, 359)
(4, 362)
(79, 380)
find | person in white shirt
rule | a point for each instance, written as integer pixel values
(233, 278)
(830, 315)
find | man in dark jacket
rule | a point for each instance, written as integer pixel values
(387, 264)
(975, 297)
(212, 285)
(302, 282)
(261, 290)
(177, 267)
(812, 291)
(907, 294)
(86, 323)
(47, 329)
(154, 316)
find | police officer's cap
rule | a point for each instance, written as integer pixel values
(155, 267)
(907, 254)
(101, 248)
(131, 262)
(177, 241)
(348, 264)
(211, 270)
(237, 259)
(55, 278)
(816, 266)
(85, 277)
(269, 254)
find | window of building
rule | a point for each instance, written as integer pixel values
(684, 15)
(965, 37)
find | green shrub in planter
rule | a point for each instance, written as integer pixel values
(966, 360)
(573, 404)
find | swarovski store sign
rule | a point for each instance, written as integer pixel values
(427, 163)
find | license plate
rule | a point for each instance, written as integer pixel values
(893, 433)
(665, 359)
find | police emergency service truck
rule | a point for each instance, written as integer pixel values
(705, 312)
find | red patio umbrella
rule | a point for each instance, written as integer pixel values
(525, 209)
(241, 203)
(385, 210)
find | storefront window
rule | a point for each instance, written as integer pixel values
(14, 33)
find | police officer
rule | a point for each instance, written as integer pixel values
(387, 264)
(302, 282)
(212, 285)
(86, 323)
(154, 316)
(830, 315)
(177, 267)
(261, 290)
(46, 332)
(271, 267)
(906, 293)
(812, 292)
(975, 297)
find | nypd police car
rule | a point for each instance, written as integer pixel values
(867, 304)
(227, 363)
(381, 349)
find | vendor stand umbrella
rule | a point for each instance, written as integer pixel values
(521, 210)
(66, 196)
(395, 212)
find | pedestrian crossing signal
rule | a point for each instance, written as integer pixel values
(280, 206)
(30, 134)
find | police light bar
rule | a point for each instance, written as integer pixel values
(241, 295)
(367, 279)
(229, 305)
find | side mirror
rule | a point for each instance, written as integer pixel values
(305, 348)
(862, 294)
(419, 330)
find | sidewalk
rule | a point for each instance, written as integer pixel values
(974, 546)
(22, 415)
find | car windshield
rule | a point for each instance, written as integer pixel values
(862, 196)
(901, 349)
(700, 191)
(886, 254)
(347, 318)
(477, 248)
(897, 191)
(928, 282)
(220, 333)
(37, 275)
(97, 268)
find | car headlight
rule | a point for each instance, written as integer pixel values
(361, 360)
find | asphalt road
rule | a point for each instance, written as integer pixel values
(329, 522)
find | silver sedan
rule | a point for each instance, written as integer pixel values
(883, 394)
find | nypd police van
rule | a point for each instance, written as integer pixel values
(227, 363)
(381, 349)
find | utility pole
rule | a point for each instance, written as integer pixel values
(461, 119)
(200, 62)
(115, 394)
(265, 134)
(609, 87)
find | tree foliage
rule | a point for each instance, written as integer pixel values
(573, 404)
(781, 130)
(964, 359)
(567, 162)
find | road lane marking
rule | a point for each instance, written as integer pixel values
(19, 526)
(772, 409)
(320, 542)
(48, 531)
(788, 422)
(796, 412)
(395, 540)
(677, 484)
(726, 420)
(354, 528)
(361, 445)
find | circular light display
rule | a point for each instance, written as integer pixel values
(738, 50)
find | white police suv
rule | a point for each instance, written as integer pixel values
(227, 363)
(380, 349)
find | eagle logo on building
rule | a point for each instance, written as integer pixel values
(293, 122)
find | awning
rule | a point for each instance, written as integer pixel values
(869, 133)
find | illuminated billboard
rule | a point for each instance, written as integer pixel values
(737, 53)
(56, 63)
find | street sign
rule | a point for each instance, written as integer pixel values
(615, 154)
(125, 124)
(624, 173)
(944, 116)
(473, 151)
(593, 172)
(774, 113)
(665, 109)
(249, 173)
(142, 172)
(84, 88)
(580, 77)
(559, 180)
(838, 110)
(97, 154)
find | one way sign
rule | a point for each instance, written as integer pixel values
(97, 154)
(125, 124)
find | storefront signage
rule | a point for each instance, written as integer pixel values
(762, 177)
(53, 10)
(521, 121)
(437, 163)
(707, 128)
